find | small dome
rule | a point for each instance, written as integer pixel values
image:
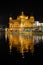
(23, 16)
(10, 18)
(31, 16)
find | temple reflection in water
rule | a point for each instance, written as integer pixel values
(20, 34)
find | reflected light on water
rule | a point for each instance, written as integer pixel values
(23, 42)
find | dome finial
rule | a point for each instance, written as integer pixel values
(22, 13)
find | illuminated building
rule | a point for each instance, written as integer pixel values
(21, 21)
(17, 40)
(38, 25)
(23, 24)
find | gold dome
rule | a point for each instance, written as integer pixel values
(23, 16)
(10, 18)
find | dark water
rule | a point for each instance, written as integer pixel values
(16, 58)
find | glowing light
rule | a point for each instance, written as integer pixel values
(23, 44)
(10, 18)
(37, 23)
(6, 33)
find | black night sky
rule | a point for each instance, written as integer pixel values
(14, 8)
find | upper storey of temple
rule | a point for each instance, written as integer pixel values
(22, 21)
(22, 16)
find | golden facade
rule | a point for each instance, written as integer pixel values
(21, 21)
(21, 41)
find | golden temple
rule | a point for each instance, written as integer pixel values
(21, 20)
(17, 25)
